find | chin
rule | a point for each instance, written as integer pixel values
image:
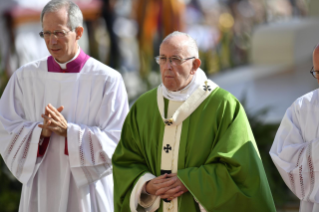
(54, 54)
(171, 88)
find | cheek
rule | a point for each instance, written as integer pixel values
(182, 75)
(65, 44)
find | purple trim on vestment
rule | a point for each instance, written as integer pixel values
(74, 66)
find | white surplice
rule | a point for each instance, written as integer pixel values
(95, 106)
(295, 150)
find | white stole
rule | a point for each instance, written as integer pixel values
(178, 112)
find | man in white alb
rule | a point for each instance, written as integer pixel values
(295, 148)
(61, 119)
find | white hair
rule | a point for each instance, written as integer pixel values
(191, 43)
(75, 16)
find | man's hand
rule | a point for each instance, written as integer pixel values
(54, 121)
(157, 183)
(167, 186)
(175, 189)
(46, 132)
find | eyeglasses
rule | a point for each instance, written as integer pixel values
(56, 33)
(174, 61)
(314, 73)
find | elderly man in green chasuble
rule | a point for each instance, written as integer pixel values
(187, 145)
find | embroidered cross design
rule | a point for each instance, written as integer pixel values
(168, 122)
(206, 87)
(167, 148)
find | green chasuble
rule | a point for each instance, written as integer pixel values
(218, 160)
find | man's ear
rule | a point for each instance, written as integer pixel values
(196, 65)
(79, 32)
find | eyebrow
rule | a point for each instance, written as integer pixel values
(44, 30)
(162, 55)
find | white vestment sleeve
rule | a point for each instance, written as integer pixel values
(297, 159)
(91, 147)
(19, 138)
(149, 202)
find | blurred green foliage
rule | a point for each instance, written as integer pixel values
(10, 190)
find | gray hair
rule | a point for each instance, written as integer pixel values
(191, 43)
(75, 16)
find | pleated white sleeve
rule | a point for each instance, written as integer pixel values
(91, 147)
(19, 138)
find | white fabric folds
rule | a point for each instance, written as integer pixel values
(95, 106)
(295, 150)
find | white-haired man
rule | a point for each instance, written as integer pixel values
(189, 143)
(61, 119)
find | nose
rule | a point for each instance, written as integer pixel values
(53, 39)
(168, 64)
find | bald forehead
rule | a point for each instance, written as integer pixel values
(178, 40)
(177, 45)
(316, 51)
(315, 58)
(315, 54)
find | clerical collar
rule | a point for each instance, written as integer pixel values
(183, 94)
(73, 66)
(63, 65)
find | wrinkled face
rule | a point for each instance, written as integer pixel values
(176, 77)
(64, 48)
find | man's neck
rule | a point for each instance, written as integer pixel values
(63, 65)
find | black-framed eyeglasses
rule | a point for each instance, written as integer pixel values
(56, 33)
(314, 73)
(174, 61)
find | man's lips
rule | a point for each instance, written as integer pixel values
(55, 50)
(169, 76)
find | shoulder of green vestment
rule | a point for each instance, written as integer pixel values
(221, 96)
(146, 97)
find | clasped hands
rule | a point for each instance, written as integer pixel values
(53, 121)
(167, 186)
